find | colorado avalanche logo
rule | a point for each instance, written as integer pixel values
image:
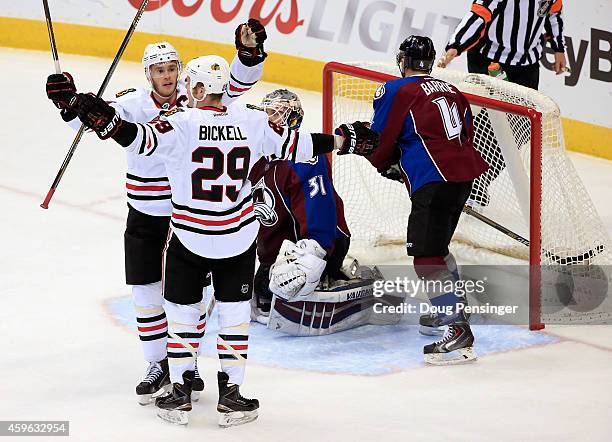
(264, 203)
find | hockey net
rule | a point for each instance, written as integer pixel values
(531, 188)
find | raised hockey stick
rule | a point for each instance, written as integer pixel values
(109, 74)
(58, 70)
(556, 258)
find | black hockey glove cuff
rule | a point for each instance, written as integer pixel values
(359, 139)
(68, 115)
(250, 38)
(97, 115)
(393, 173)
(322, 143)
(126, 133)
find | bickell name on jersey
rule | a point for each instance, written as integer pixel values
(147, 185)
(213, 213)
(221, 133)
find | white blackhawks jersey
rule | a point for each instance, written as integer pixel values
(147, 185)
(208, 154)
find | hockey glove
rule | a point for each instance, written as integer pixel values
(60, 89)
(359, 139)
(97, 115)
(393, 173)
(250, 37)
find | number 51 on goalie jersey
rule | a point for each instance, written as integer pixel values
(426, 125)
(208, 153)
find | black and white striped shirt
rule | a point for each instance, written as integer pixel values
(510, 31)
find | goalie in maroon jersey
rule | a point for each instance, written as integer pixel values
(425, 128)
(301, 287)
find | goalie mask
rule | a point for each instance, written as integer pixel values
(210, 73)
(158, 60)
(283, 108)
(416, 53)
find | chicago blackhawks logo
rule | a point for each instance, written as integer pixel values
(264, 203)
(544, 7)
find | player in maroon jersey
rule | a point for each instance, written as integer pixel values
(425, 127)
(295, 202)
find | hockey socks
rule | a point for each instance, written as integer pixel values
(440, 274)
(184, 333)
(233, 339)
(151, 320)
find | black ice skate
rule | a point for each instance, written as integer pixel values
(232, 407)
(433, 325)
(175, 405)
(197, 386)
(154, 383)
(430, 325)
(456, 347)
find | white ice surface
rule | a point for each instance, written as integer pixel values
(63, 358)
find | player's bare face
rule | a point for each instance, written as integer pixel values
(164, 77)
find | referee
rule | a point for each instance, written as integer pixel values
(509, 32)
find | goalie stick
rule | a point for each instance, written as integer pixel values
(556, 258)
(109, 74)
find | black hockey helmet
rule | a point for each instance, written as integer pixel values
(417, 53)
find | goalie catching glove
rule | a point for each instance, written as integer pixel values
(250, 37)
(96, 114)
(359, 139)
(298, 269)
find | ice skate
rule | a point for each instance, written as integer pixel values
(174, 406)
(430, 325)
(455, 348)
(433, 325)
(232, 407)
(154, 383)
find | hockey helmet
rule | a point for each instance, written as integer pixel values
(417, 53)
(284, 108)
(211, 70)
(162, 52)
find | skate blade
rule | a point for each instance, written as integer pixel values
(146, 399)
(461, 356)
(234, 418)
(175, 417)
(431, 331)
(195, 396)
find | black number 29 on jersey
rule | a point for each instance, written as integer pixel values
(235, 164)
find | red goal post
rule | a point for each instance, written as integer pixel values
(535, 195)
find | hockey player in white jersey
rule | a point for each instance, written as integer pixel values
(208, 151)
(148, 188)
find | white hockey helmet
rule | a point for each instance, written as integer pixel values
(211, 70)
(161, 52)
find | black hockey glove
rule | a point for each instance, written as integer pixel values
(60, 89)
(393, 173)
(250, 37)
(359, 139)
(97, 115)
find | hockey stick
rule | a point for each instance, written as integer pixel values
(58, 70)
(556, 258)
(109, 74)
